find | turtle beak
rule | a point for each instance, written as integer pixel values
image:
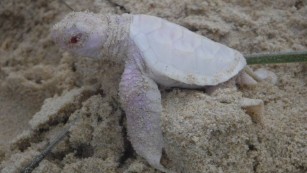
(58, 37)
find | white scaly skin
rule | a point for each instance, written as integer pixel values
(149, 46)
(139, 94)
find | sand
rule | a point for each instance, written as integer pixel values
(44, 90)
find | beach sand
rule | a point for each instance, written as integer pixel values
(44, 90)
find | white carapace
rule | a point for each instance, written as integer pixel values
(154, 51)
(173, 52)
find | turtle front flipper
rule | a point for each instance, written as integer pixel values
(141, 100)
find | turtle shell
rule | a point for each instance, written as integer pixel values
(172, 51)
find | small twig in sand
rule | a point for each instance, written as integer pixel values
(35, 162)
(62, 1)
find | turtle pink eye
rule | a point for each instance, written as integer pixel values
(75, 39)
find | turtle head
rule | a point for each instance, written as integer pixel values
(81, 33)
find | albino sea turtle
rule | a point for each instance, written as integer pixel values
(154, 51)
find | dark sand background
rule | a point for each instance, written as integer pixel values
(42, 89)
